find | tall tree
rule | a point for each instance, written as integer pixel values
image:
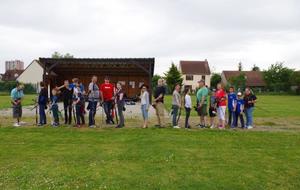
(255, 68)
(239, 82)
(215, 79)
(58, 55)
(240, 66)
(278, 77)
(173, 77)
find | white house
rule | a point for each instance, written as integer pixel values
(194, 71)
(33, 73)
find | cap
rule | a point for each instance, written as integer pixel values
(239, 93)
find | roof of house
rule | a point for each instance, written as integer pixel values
(195, 67)
(253, 78)
(11, 75)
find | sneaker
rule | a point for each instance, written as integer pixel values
(212, 126)
(176, 127)
(249, 127)
(22, 123)
(92, 126)
(17, 125)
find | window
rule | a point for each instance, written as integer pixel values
(189, 77)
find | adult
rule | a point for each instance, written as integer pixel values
(145, 104)
(187, 106)
(42, 102)
(17, 95)
(221, 105)
(120, 105)
(176, 105)
(159, 95)
(202, 95)
(249, 101)
(67, 97)
(107, 97)
(93, 97)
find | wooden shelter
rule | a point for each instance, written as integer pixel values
(130, 72)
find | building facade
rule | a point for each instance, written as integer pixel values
(14, 65)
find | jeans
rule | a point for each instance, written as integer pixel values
(175, 109)
(187, 116)
(120, 106)
(79, 114)
(43, 118)
(231, 118)
(144, 112)
(249, 116)
(92, 112)
(237, 117)
(68, 111)
(54, 110)
(108, 105)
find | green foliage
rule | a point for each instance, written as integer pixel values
(238, 82)
(9, 85)
(173, 77)
(154, 81)
(295, 81)
(58, 55)
(215, 79)
(278, 77)
(255, 68)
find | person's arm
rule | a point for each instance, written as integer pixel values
(147, 100)
(121, 96)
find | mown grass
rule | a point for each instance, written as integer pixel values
(267, 105)
(130, 158)
(6, 103)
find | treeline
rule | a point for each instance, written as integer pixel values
(6, 87)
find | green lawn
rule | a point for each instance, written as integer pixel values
(5, 101)
(133, 158)
(267, 105)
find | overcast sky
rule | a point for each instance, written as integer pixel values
(224, 32)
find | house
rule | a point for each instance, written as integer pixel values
(132, 73)
(254, 79)
(11, 75)
(194, 71)
(33, 73)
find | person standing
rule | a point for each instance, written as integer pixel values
(159, 95)
(79, 103)
(239, 108)
(145, 104)
(54, 107)
(221, 105)
(231, 104)
(187, 107)
(176, 105)
(67, 97)
(42, 102)
(107, 97)
(120, 105)
(250, 100)
(17, 95)
(93, 97)
(212, 108)
(202, 95)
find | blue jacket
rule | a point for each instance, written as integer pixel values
(231, 100)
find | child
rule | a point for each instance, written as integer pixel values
(176, 105)
(79, 103)
(231, 104)
(54, 108)
(145, 103)
(212, 108)
(187, 106)
(42, 101)
(239, 108)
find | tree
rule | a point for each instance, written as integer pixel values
(173, 77)
(58, 55)
(255, 68)
(295, 80)
(215, 79)
(240, 66)
(278, 77)
(238, 82)
(154, 81)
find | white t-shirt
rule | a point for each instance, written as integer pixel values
(188, 101)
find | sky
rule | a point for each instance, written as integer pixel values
(225, 32)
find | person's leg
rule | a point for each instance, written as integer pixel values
(230, 115)
(188, 113)
(121, 115)
(43, 121)
(251, 116)
(105, 107)
(234, 118)
(55, 115)
(41, 115)
(78, 114)
(247, 117)
(175, 113)
(66, 111)
(91, 113)
(82, 109)
(111, 109)
(160, 108)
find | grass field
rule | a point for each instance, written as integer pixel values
(5, 101)
(148, 159)
(267, 105)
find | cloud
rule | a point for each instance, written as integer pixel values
(225, 32)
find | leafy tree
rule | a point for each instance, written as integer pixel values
(215, 79)
(58, 55)
(238, 82)
(295, 80)
(255, 68)
(173, 77)
(240, 66)
(278, 77)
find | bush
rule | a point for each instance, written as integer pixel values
(6, 87)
